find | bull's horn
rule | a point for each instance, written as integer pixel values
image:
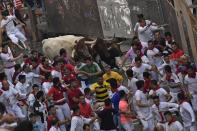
(108, 39)
(73, 53)
(120, 43)
(90, 42)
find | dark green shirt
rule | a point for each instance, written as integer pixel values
(92, 69)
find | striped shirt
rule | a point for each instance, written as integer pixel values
(101, 91)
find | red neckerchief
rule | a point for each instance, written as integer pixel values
(107, 107)
(55, 69)
(185, 63)
(47, 67)
(87, 97)
(34, 67)
(176, 51)
(150, 48)
(183, 101)
(32, 93)
(114, 91)
(156, 88)
(168, 77)
(3, 88)
(172, 121)
(147, 86)
(141, 25)
(193, 75)
(12, 12)
(4, 52)
(14, 76)
(75, 115)
(140, 44)
(160, 113)
(45, 80)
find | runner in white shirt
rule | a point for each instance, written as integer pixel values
(190, 86)
(32, 98)
(173, 124)
(12, 31)
(157, 91)
(169, 62)
(35, 68)
(8, 61)
(143, 108)
(145, 32)
(21, 87)
(29, 77)
(172, 82)
(187, 114)
(158, 109)
(140, 67)
(139, 17)
(47, 83)
(153, 54)
(11, 95)
(78, 121)
(56, 70)
(140, 54)
(131, 81)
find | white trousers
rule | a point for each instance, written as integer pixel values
(94, 126)
(63, 112)
(194, 102)
(9, 73)
(174, 97)
(128, 126)
(16, 110)
(190, 128)
(148, 125)
(15, 37)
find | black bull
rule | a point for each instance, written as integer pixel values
(105, 49)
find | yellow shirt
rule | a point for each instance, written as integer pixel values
(102, 91)
(114, 75)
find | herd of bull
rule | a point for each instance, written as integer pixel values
(80, 47)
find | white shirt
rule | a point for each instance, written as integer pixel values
(55, 73)
(138, 71)
(142, 111)
(10, 94)
(31, 99)
(9, 25)
(161, 93)
(172, 64)
(137, 25)
(77, 123)
(146, 33)
(54, 129)
(36, 71)
(132, 84)
(6, 57)
(175, 126)
(82, 76)
(144, 60)
(173, 79)
(163, 106)
(154, 60)
(29, 79)
(187, 114)
(22, 90)
(191, 83)
(123, 88)
(46, 86)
